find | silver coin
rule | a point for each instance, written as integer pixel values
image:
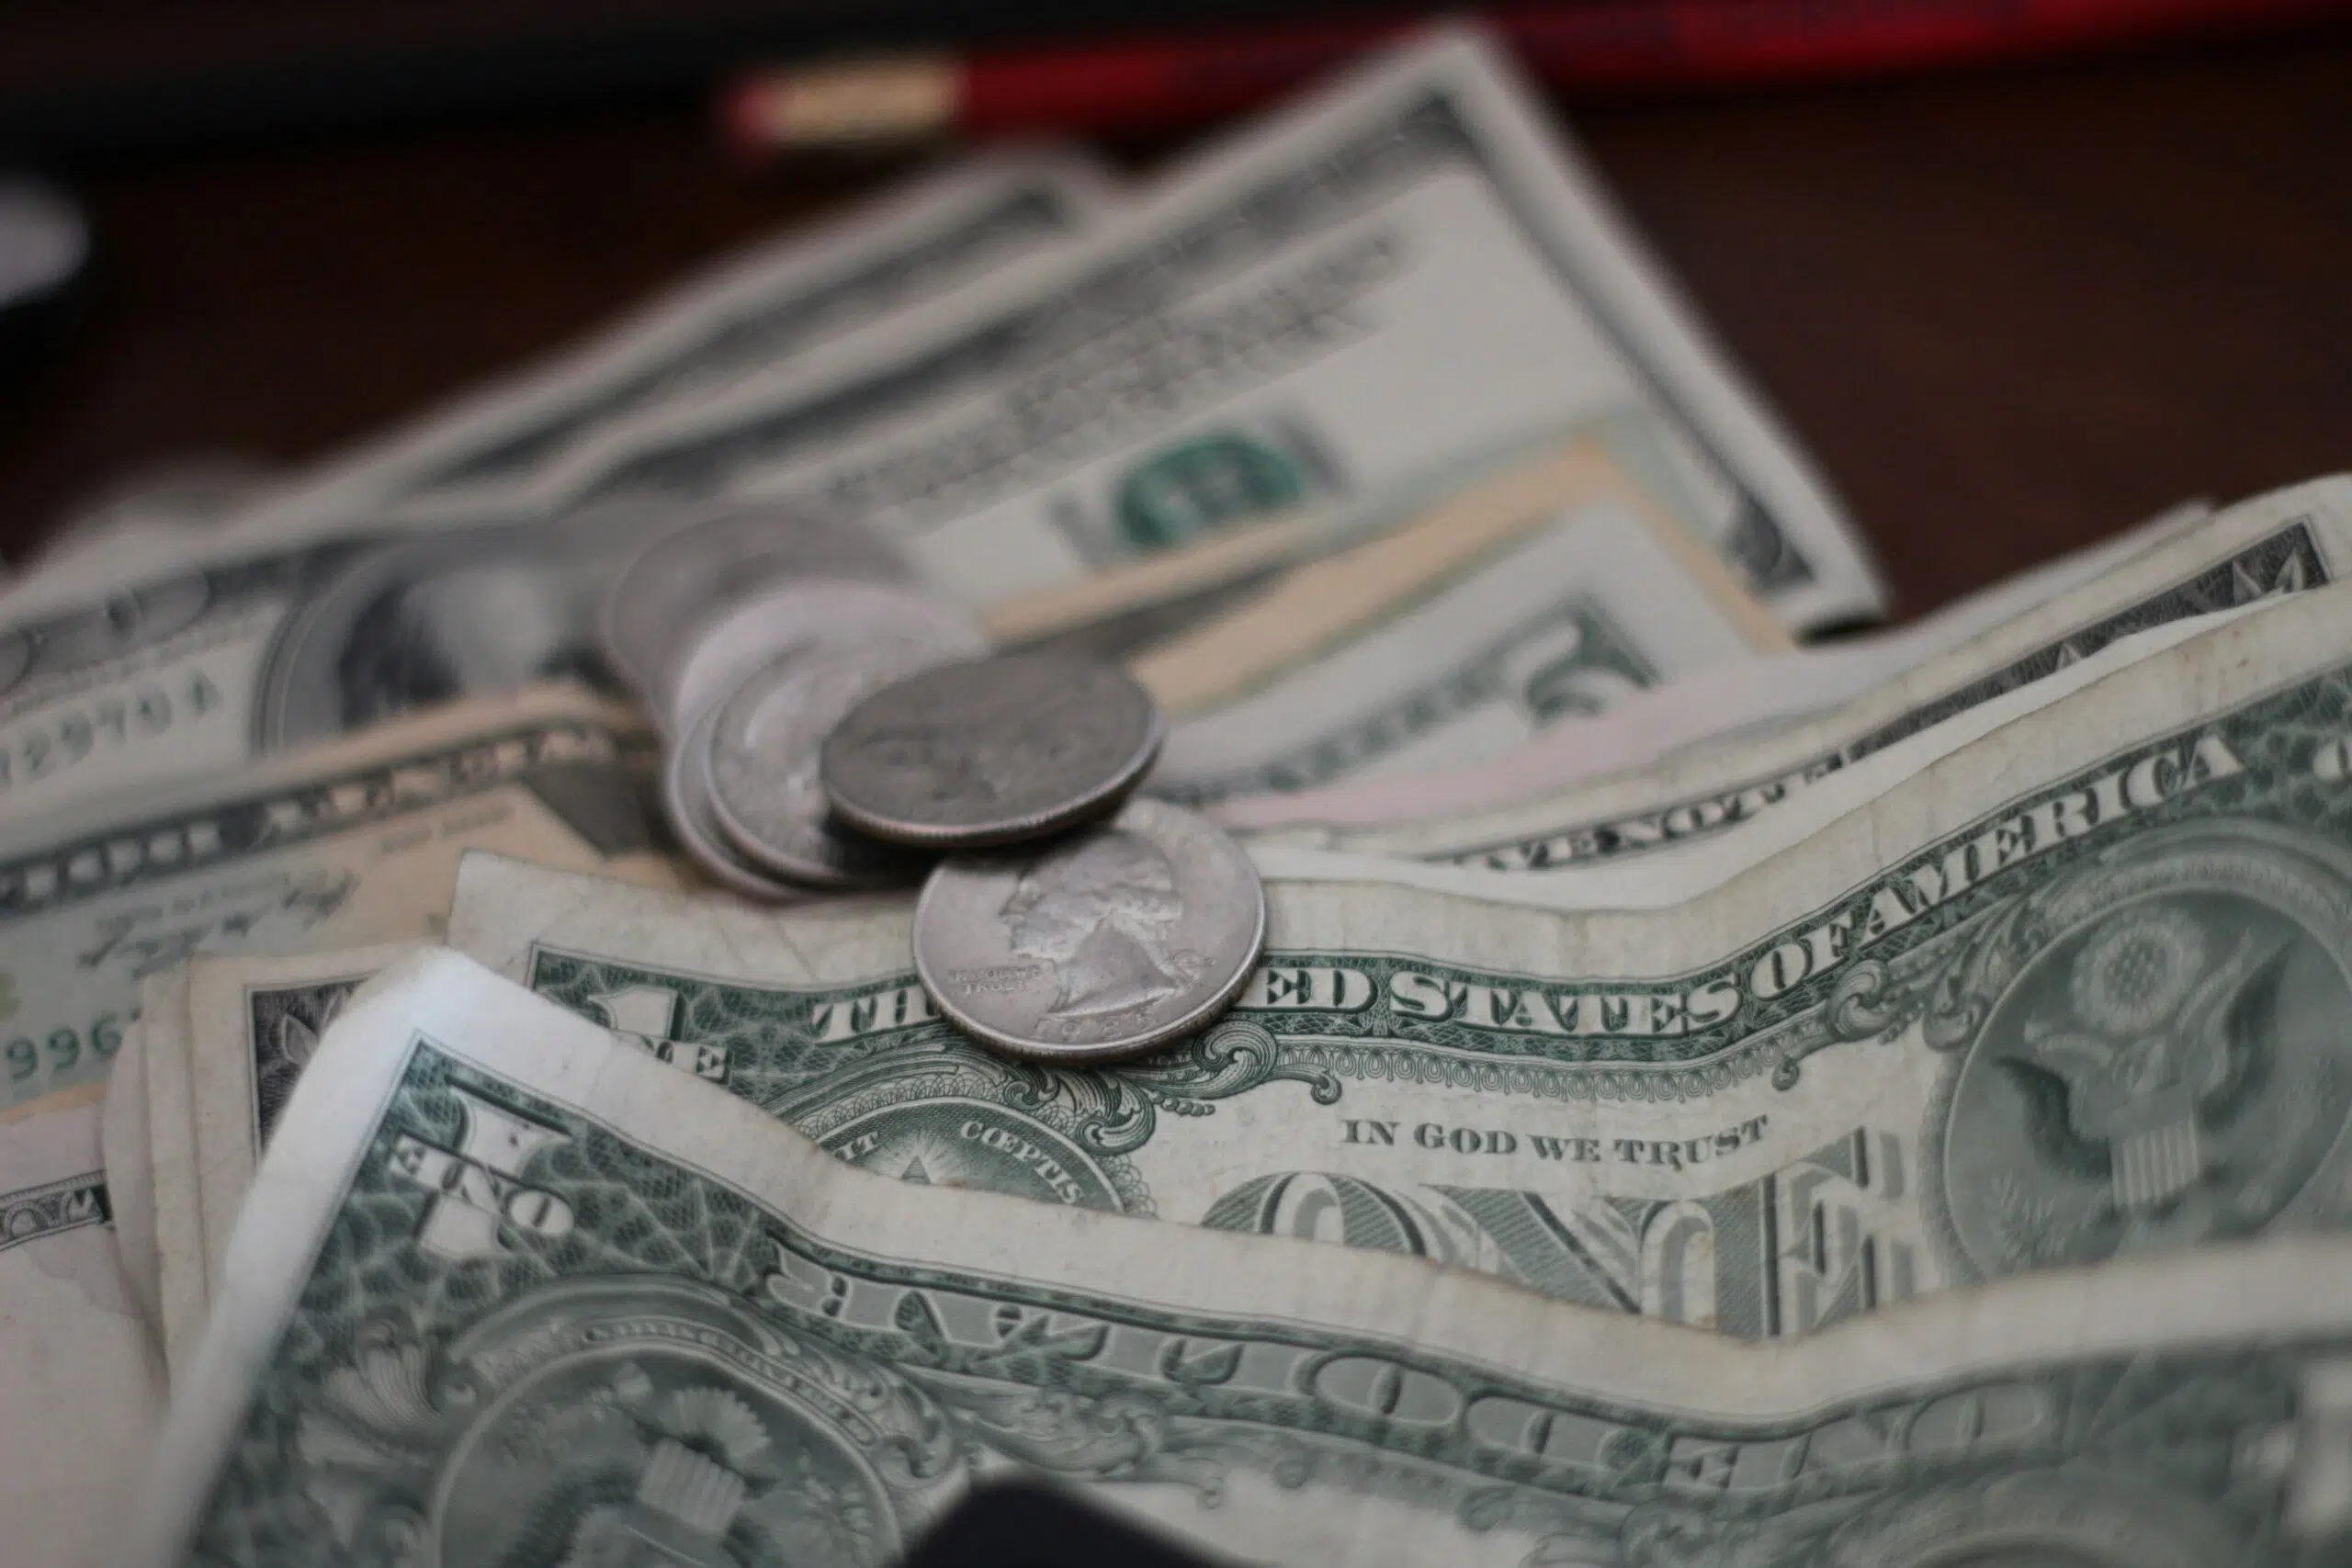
(991, 751)
(714, 559)
(1103, 944)
(720, 653)
(685, 795)
(764, 792)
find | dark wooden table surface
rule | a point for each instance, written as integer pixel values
(2009, 312)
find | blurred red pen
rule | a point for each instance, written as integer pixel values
(1152, 84)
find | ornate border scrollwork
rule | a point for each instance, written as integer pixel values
(1232, 1058)
(383, 1436)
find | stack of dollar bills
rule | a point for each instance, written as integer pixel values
(1705, 1099)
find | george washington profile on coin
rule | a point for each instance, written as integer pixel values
(1101, 944)
(1103, 909)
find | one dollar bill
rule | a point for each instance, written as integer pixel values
(1552, 591)
(354, 841)
(1898, 1057)
(1667, 725)
(2276, 543)
(508, 1292)
(1411, 269)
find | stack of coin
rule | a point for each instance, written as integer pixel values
(830, 726)
(748, 634)
(1068, 921)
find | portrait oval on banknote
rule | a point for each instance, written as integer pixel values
(1101, 944)
(626, 1421)
(2161, 1059)
(387, 627)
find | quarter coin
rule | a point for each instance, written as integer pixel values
(795, 614)
(765, 793)
(720, 558)
(1103, 944)
(991, 751)
(685, 796)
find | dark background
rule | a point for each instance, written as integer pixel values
(2009, 312)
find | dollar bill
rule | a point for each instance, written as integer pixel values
(805, 294)
(182, 669)
(351, 842)
(80, 1385)
(148, 1139)
(507, 1292)
(1370, 568)
(1422, 651)
(2288, 540)
(1893, 1059)
(245, 1027)
(811, 294)
(1678, 874)
(1722, 704)
(1410, 268)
